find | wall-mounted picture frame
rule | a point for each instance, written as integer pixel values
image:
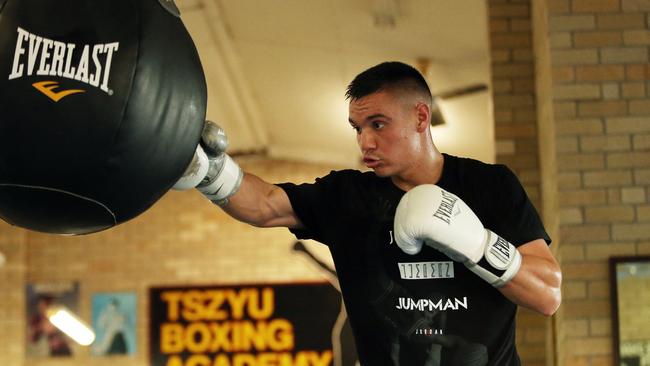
(630, 295)
(43, 338)
(114, 319)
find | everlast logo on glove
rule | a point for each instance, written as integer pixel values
(446, 207)
(36, 55)
(498, 254)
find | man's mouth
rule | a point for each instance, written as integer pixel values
(371, 162)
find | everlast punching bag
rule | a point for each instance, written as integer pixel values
(102, 103)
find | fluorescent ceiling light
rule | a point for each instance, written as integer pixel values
(70, 324)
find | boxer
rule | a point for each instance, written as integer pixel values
(434, 252)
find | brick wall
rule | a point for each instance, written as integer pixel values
(513, 84)
(599, 56)
(516, 133)
(13, 245)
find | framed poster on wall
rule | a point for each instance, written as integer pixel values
(43, 338)
(114, 322)
(264, 324)
(630, 296)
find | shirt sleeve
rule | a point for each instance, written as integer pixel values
(520, 223)
(315, 205)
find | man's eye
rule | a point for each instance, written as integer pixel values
(377, 125)
(356, 129)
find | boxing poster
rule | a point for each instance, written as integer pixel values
(251, 325)
(43, 338)
(114, 322)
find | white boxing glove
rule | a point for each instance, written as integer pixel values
(213, 172)
(195, 172)
(427, 214)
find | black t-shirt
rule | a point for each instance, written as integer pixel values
(423, 309)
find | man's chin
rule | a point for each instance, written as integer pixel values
(381, 172)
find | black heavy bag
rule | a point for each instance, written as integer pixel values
(102, 103)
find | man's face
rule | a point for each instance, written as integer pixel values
(386, 131)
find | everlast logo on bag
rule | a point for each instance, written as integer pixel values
(446, 207)
(36, 55)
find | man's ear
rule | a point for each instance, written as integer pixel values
(423, 112)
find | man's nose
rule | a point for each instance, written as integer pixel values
(366, 140)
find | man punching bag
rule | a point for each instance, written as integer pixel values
(102, 103)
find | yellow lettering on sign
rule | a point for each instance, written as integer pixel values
(174, 361)
(202, 337)
(193, 305)
(222, 337)
(221, 360)
(172, 298)
(196, 305)
(237, 301)
(171, 338)
(280, 335)
(302, 358)
(267, 306)
(244, 359)
(197, 337)
(214, 311)
(324, 359)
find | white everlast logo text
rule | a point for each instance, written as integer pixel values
(446, 207)
(36, 55)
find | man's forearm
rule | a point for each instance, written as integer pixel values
(537, 285)
(261, 204)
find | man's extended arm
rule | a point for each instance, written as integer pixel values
(243, 196)
(262, 204)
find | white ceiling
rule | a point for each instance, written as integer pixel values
(277, 70)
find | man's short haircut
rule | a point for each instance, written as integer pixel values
(388, 76)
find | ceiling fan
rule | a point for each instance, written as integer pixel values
(436, 116)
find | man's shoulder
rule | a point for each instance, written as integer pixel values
(472, 163)
(470, 168)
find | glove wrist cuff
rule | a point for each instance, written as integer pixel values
(195, 171)
(225, 184)
(500, 263)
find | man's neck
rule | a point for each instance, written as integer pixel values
(424, 171)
